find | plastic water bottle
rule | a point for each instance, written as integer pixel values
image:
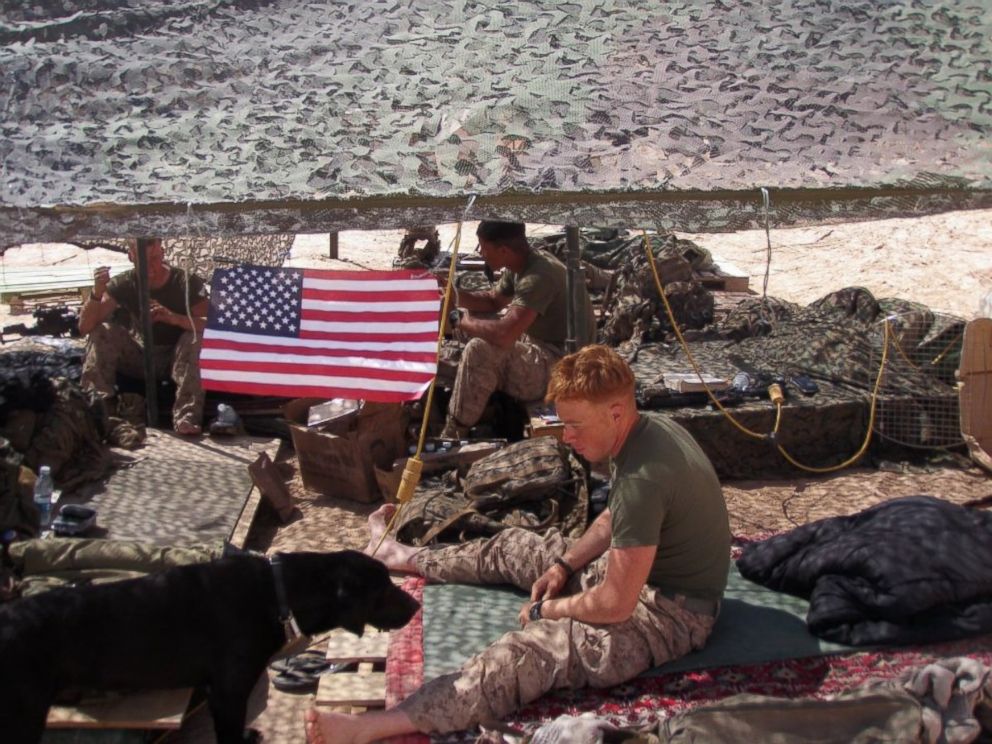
(226, 415)
(43, 489)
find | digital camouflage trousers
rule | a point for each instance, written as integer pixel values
(110, 348)
(521, 371)
(547, 654)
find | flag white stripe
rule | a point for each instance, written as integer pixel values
(427, 326)
(371, 307)
(429, 347)
(228, 355)
(350, 383)
(385, 285)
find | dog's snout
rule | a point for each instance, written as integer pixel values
(396, 609)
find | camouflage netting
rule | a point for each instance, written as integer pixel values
(229, 117)
(836, 341)
(203, 255)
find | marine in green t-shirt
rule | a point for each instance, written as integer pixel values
(540, 287)
(111, 319)
(665, 492)
(515, 331)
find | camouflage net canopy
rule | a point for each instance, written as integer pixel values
(203, 255)
(244, 117)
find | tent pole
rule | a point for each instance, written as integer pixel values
(572, 278)
(151, 388)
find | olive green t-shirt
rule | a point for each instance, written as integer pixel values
(124, 289)
(541, 287)
(665, 492)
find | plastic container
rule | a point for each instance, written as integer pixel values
(44, 487)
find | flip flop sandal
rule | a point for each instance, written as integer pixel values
(306, 661)
(292, 680)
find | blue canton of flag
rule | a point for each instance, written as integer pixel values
(257, 299)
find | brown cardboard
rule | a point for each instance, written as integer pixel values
(338, 459)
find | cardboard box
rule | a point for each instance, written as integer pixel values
(338, 459)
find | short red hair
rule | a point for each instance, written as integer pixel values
(595, 373)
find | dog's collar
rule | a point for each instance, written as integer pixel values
(290, 628)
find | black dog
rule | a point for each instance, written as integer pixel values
(212, 624)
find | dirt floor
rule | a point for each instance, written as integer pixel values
(943, 261)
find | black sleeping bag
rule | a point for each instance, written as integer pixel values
(910, 570)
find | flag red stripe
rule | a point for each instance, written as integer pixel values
(264, 348)
(367, 276)
(307, 391)
(375, 337)
(369, 316)
(328, 370)
(372, 296)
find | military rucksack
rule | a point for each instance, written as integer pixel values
(536, 484)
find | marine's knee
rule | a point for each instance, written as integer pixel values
(477, 350)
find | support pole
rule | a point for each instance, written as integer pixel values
(573, 276)
(333, 239)
(144, 299)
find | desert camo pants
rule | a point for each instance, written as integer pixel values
(547, 654)
(521, 371)
(110, 349)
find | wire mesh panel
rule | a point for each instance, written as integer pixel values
(918, 402)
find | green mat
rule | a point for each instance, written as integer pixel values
(755, 625)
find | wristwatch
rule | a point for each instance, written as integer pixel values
(535, 610)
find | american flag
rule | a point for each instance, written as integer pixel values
(313, 333)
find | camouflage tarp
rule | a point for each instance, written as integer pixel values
(837, 342)
(232, 117)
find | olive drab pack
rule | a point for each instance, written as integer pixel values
(535, 484)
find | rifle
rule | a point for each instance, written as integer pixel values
(50, 320)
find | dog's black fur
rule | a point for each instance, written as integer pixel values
(213, 624)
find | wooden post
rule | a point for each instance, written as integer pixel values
(333, 253)
(572, 278)
(144, 299)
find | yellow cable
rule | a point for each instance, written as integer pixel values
(414, 465)
(685, 348)
(871, 418)
(779, 402)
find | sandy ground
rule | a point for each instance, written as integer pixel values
(943, 261)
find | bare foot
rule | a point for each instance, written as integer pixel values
(378, 522)
(188, 429)
(331, 728)
(396, 555)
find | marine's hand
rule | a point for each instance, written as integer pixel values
(160, 313)
(524, 615)
(101, 278)
(548, 585)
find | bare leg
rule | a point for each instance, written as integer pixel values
(342, 728)
(396, 555)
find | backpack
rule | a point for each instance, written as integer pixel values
(536, 484)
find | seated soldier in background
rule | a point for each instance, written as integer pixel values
(178, 306)
(641, 587)
(514, 352)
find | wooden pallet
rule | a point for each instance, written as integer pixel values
(722, 280)
(364, 686)
(26, 287)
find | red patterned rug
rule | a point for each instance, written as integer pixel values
(648, 700)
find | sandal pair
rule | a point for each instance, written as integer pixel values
(302, 672)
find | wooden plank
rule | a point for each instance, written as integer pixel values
(542, 422)
(363, 687)
(343, 646)
(160, 709)
(28, 280)
(239, 535)
(975, 390)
